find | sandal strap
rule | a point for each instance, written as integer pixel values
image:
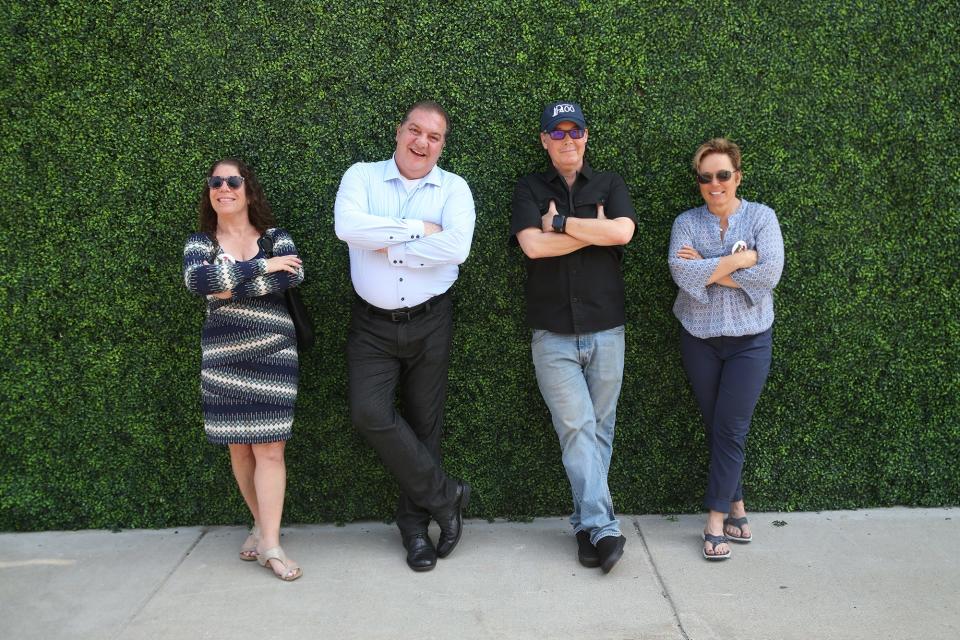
(736, 522)
(276, 553)
(715, 540)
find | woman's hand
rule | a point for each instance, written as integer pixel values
(689, 253)
(223, 295)
(747, 258)
(284, 263)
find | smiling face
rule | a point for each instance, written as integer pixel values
(719, 196)
(567, 154)
(224, 200)
(420, 140)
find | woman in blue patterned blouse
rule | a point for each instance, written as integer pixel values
(726, 257)
(249, 370)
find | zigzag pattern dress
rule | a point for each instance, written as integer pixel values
(249, 371)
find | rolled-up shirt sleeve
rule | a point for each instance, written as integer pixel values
(449, 246)
(358, 227)
(690, 275)
(760, 279)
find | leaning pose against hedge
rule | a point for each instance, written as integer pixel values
(726, 257)
(249, 370)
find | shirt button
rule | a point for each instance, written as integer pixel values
(391, 237)
(401, 279)
(402, 299)
(575, 300)
(394, 262)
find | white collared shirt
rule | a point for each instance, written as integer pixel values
(374, 211)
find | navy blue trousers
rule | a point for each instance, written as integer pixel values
(727, 375)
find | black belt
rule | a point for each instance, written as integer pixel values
(406, 313)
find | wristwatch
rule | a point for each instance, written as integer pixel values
(559, 223)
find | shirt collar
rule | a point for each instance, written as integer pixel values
(585, 171)
(392, 172)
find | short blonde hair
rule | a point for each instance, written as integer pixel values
(717, 145)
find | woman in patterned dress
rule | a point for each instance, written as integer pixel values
(249, 370)
(726, 257)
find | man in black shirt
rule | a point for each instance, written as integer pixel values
(571, 223)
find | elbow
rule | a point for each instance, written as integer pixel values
(531, 251)
(624, 236)
(461, 257)
(625, 231)
(340, 230)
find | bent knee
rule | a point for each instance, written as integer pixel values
(271, 452)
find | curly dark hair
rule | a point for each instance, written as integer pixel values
(258, 209)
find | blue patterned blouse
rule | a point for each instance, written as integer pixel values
(708, 311)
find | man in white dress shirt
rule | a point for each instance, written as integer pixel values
(409, 225)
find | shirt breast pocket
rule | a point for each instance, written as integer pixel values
(587, 207)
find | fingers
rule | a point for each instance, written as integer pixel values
(689, 253)
(284, 263)
(552, 208)
(600, 215)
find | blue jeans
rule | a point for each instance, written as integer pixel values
(580, 376)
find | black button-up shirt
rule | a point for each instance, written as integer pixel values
(582, 291)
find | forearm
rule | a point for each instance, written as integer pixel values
(727, 281)
(540, 244)
(601, 232)
(725, 266)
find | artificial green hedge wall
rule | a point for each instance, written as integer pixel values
(111, 111)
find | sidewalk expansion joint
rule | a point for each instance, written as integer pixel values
(155, 590)
(663, 585)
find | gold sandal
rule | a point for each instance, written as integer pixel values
(290, 569)
(248, 551)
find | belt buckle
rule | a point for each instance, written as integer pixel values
(399, 316)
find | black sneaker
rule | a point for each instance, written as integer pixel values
(610, 549)
(586, 552)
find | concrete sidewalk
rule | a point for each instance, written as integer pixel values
(883, 573)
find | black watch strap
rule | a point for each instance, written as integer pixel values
(559, 223)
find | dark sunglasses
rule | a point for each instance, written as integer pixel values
(560, 134)
(234, 182)
(722, 176)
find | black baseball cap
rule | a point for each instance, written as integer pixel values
(563, 111)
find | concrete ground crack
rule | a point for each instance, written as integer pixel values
(663, 585)
(160, 585)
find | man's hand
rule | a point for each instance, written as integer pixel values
(600, 215)
(429, 228)
(546, 220)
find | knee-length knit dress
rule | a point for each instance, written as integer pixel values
(249, 370)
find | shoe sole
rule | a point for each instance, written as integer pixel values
(464, 501)
(589, 563)
(422, 569)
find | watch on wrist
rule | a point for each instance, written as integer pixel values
(559, 223)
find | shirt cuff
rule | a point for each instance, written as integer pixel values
(397, 254)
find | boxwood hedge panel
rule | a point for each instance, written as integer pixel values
(111, 111)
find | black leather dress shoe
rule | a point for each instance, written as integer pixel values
(421, 554)
(610, 550)
(451, 522)
(586, 552)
